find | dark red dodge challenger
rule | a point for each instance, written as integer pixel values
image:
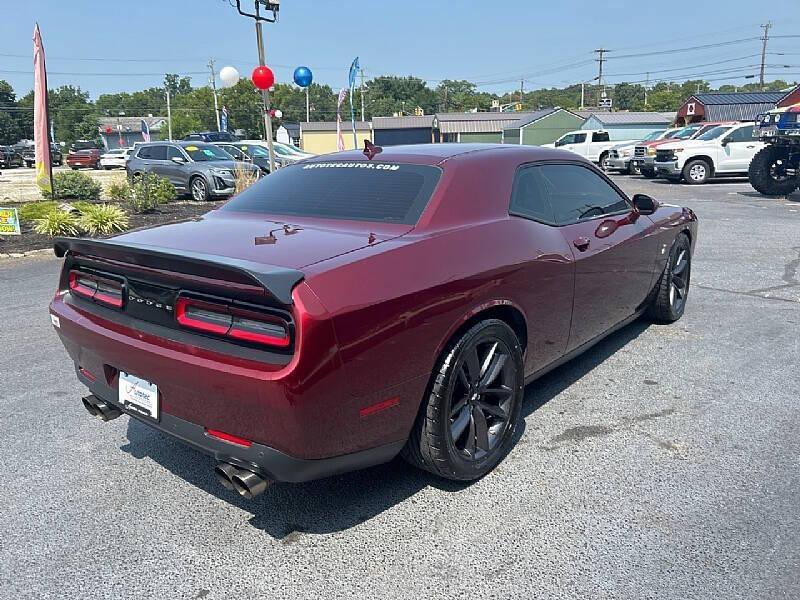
(357, 306)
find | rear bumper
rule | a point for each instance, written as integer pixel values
(269, 462)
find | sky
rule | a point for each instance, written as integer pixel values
(106, 47)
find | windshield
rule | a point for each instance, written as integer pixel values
(712, 133)
(206, 152)
(293, 150)
(671, 134)
(256, 151)
(653, 136)
(685, 133)
(358, 191)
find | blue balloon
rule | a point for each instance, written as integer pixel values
(303, 76)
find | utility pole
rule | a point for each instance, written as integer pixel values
(308, 107)
(169, 117)
(521, 90)
(766, 27)
(213, 81)
(583, 95)
(601, 59)
(445, 98)
(646, 86)
(361, 72)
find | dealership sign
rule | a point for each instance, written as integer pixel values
(9, 221)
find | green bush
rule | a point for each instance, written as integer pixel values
(56, 222)
(102, 219)
(74, 185)
(148, 191)
(35, 210)
(118, 191)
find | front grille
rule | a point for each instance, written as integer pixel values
(640, 151)
(613, 154)
(665, 155)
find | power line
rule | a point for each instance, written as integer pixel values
(711, 64)
(686, 49)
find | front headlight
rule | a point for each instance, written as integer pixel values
(221, 172)
(676, 150)
(626, 153)
(651, 152)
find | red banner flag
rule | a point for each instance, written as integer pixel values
(41, 138)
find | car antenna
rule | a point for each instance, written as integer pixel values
(370, 149)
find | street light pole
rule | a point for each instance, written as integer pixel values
(265, 93)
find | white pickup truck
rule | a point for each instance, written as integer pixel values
(722, 150)
(593, 144)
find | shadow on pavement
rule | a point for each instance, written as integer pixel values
(289, 511)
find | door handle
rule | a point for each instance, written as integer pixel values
(751, 146)
(581, 243)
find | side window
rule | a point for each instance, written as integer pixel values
(528, 199)
(577, 193)
(600, 136)
(579, 138)
(145, 152)
(173, 152)
(159, 152)
(567, 139)
(743, 134)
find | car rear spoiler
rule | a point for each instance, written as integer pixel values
(277, 281)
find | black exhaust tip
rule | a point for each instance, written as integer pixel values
(100, 408)
(246, 483)
(249, 484)
(224, 473)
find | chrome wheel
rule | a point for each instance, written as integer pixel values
(199, 189)
(679, 285)
(481, 399)
(698, 172)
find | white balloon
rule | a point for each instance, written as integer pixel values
(278, 114)
(229, 76)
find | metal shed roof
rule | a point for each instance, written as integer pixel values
(292, 127)
(480, 122)
(533, 117)
(405, 122)
(633, 118)
(131, 123)
(739, 98)
(736, 112)
(331, 126)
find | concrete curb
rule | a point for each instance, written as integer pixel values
(13, 255)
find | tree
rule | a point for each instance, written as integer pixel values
(628, 96)
(177, 85)
(10, 115)
(389, 94)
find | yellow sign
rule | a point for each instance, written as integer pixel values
(9, 221)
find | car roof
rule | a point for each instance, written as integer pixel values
(436, 154)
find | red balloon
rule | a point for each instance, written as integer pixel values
(263, 78)
(108, 129)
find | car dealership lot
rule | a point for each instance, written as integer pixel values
(662, 463)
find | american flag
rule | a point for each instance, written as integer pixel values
(145, 131)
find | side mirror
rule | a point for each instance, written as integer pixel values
(725, 141)
(178, 159)
(644, 204)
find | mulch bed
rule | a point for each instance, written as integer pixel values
(166, 213)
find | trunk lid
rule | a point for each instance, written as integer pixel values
(292, 244)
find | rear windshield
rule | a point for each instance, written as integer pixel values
(358, 191)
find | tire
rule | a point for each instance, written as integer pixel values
(107, 168)
(765, 172)
(603, 162)
(672, 289)
(649, 173)
(697, 171)
(446, 440)
(199, 189)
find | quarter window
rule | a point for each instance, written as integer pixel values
(529, 199)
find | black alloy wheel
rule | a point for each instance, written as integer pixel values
(669, 301)
(466, 426)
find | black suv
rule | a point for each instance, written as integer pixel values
(212, 136)
(9, 157)
(29, 155)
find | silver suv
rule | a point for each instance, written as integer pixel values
(197, 168)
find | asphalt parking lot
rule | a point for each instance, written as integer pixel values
(661, 464)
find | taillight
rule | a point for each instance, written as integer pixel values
(102, 290)
(232, 322)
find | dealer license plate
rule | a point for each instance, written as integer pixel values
(138, 395)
